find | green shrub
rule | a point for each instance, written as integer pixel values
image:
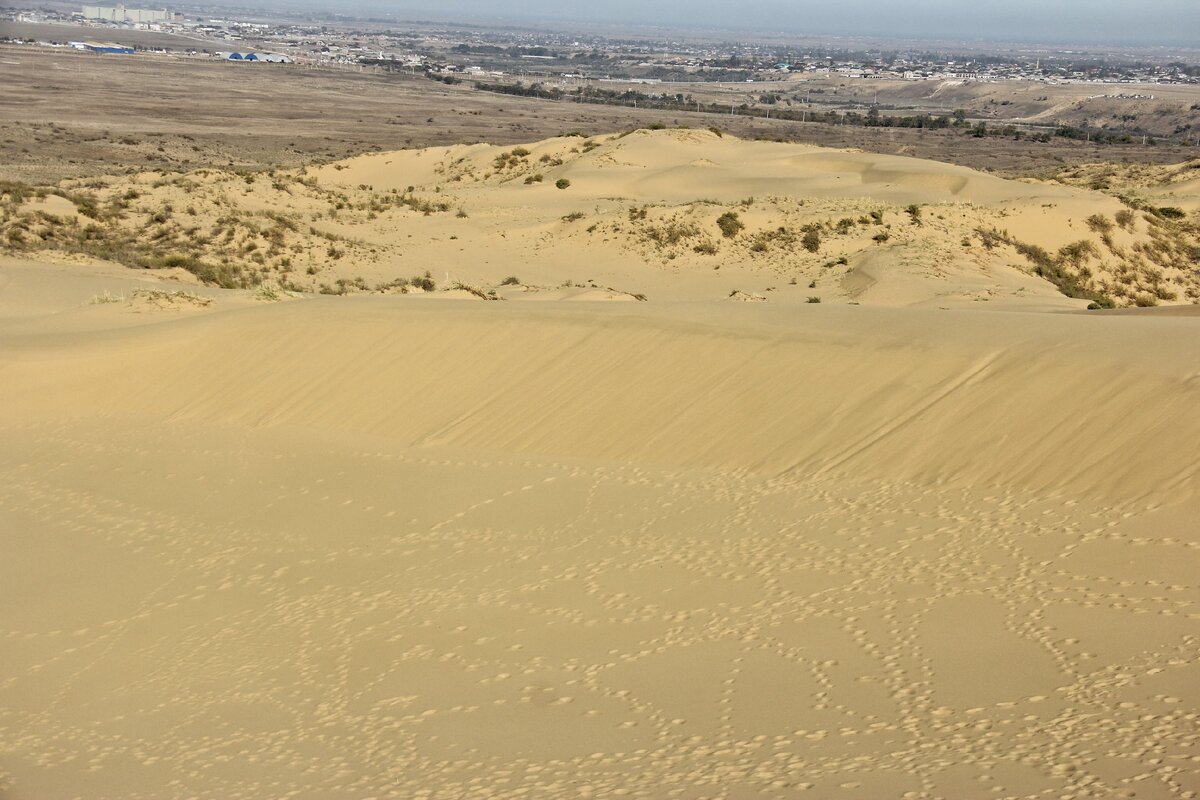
(424, 282)
(811, 239)
(562, 183)
(730, 224)
(1100, 223)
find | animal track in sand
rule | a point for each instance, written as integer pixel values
(387, 623)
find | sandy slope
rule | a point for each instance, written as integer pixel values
(636, 214)
(390, 547)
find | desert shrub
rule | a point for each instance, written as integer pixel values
(178, 260)
(423, 282)
(268, 293)
(562, 183)
(574, 216)
(877, 217)
(706, 248)
(161, 296)
(730, 224)
(85, 204)
(15, 191)
(504, 161)
(106, 298)
(475, 290)
(914, 213)
(991, 238)
(1124, 218)
(844, 225)
(1076, 253)
(779, 237)
(813, 299)
(811, 239)
(1099, 223)
(671, 232)
(881, 237)
(535, 178)
(511, 280)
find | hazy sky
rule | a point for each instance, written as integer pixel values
(1175, 22)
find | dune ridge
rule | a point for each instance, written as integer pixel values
(849, 390)
(639, 212)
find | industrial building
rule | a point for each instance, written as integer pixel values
(102, 47)
(270, 58)
(123, 14)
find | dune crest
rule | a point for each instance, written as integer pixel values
(669, 214)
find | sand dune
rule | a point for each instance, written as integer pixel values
(639, 214)
(388, 547)
(629, 485)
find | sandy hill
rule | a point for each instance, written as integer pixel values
(670, 214)
(407, 543)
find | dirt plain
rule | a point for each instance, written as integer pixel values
(67, 114)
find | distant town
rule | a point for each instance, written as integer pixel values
(467, 51)
(1102, 95)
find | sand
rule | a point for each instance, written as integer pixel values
(427, 546)
(639, 214)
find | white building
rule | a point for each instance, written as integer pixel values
(123, 14)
